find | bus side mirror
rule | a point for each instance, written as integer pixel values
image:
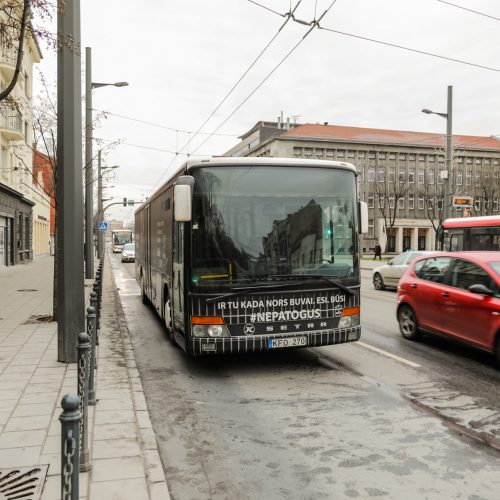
(363, 217)
(182, 203)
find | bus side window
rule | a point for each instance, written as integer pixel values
(456, 242)
(179, 243)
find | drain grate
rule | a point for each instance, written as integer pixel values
(22, 482)
(27, 290)
(38, 318)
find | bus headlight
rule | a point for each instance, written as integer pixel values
(350, 317)
(208, 326)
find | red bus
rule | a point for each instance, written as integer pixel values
(470, 233)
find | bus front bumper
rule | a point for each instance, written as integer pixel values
(240, 344)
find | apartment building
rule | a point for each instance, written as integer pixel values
(18, 193)
(401, 174)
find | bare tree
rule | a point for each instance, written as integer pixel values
(388, 192)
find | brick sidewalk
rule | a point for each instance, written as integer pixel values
(124, 457)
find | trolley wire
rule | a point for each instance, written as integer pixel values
(469, 10)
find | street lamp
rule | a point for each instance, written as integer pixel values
(89, 85)
(448, 190)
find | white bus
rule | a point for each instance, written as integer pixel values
(253, 254)
(120, 237)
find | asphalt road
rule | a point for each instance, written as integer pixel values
(331, 422)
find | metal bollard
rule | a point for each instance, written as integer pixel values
(83, 348)
(95, 289)
(70, 447)
(91, 332)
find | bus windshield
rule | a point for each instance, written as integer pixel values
(120, 238)
(253, 223)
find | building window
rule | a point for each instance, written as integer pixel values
(297, 151)
(421, 158)
(381, 201)
(340, 153)
(478, 178)
(318, 153)
(308, 152)
(430, 176)
(329, 153)
(401, 203)
(371, 226)
(459, 177)
(381, 156)
(411, 157)
(495, 204)
(392, 156)
(361, 154)
(411, 175)
(391, 201)
(440, 176)
(430, 202)
(468, 178)
(392, 174)
(421, 202)
(460, 159)
(421, 175)
(432, 159)
(411, 201)
(350, 154)
(370, 201)
(371, 155)
(402, 176)
(381, 175)
(402, 156)
(371, 174)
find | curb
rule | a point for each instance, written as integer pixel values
(484, 438)
(153, 466)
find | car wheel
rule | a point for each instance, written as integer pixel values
(408, 325)
(378, 282)
(497, 349)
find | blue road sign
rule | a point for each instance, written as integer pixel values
(103, 226)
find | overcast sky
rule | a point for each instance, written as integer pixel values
(182, 57)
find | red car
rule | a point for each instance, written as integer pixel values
(456, 295)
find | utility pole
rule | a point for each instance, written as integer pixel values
(70, 281)
(99, 206)
(449, 156)
(89, 171)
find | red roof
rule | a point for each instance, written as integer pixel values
(375, 135)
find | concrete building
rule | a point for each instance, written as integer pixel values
(43, 177)
(400, 177)
(17, 192)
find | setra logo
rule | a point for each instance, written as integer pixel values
(249, 329)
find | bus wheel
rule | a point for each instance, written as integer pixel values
(408, 325)
(167, 318)
(144, 297)
(378, 282)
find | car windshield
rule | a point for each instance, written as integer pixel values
(122, 238)
(496, 267)
(129, 247)
(259, 223)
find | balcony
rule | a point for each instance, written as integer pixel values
(8, 59)
(11, 123)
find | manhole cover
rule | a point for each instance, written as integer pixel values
(22, 482)
(39, 318)
(27, 290)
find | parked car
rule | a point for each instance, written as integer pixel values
(456, 295)
(388, 275)
(128, 252)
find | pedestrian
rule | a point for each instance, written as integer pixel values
(378, 252)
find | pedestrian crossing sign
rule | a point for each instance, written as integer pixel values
(103, 226)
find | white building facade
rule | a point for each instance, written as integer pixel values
(400, 174)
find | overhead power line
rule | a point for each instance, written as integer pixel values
(469, 10)
(172, 129)
(409, 49)
(312, 24)
(231, 90)
(397, 46)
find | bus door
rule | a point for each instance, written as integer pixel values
(178, 277)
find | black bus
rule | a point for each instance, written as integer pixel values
(252, 254)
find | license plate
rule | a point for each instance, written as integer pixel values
(288, 342)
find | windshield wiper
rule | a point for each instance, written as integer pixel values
(316, 276)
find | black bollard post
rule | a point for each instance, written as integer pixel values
(83, 348)
(70, 447)
(91, 332)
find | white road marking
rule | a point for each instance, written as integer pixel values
(389, 355)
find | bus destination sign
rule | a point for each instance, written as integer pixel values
(463, 201)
